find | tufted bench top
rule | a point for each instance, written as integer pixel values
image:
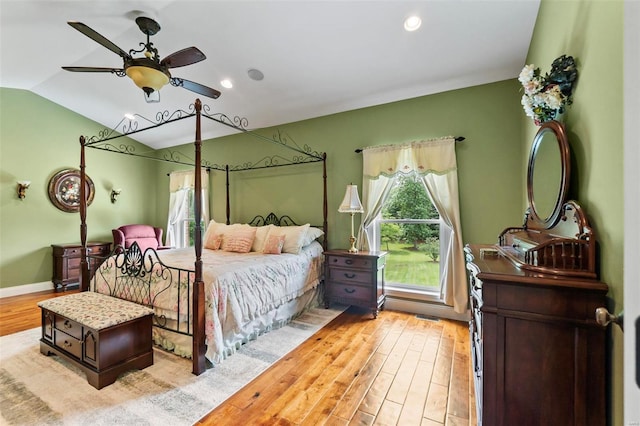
(95, 310)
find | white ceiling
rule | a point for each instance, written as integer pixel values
(318, 57)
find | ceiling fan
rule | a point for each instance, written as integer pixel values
(146, 70)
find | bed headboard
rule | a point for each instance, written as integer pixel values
(272, 219)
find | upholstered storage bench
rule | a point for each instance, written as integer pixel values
(102, 335)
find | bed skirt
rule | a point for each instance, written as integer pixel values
(278, 317)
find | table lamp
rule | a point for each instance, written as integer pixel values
(351, 204)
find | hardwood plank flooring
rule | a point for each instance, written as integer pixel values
(394, 370)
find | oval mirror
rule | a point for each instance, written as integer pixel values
(548, 175)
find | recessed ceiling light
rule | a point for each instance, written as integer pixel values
(255, 74)
(412, 23)
(226, 83)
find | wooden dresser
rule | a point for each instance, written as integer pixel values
(355, 278)
(66, 262)
(538, 354)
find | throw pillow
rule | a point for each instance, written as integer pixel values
(274, 244)
(238, 238)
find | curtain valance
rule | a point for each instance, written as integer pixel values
(427, 156)
(185, 179)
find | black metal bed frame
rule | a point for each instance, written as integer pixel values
(132, 265)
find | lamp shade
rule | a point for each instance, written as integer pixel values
(351, 202)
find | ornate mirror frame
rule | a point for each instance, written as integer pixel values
(546, 163)
(561, 242)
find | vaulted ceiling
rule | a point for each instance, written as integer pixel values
(317, 57)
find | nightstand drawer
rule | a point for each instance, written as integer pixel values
(349, 262)
(350, 276)
(348, 291)
(100, 249)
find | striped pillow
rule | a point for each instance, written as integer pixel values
(238, 238)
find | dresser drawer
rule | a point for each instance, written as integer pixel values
(69, 327)
(350, 275)
(350, 262)
(68, 343)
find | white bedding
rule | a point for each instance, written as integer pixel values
(245, 294)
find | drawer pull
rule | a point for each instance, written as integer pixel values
(67, 344)
(350, 276)
(348, 261)
(350, 290)
(67, 325)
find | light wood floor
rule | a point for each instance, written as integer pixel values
(394, 370)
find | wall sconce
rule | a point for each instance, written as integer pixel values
(22, 187)
(351, 204)
(114, 194)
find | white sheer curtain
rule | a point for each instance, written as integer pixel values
(435, 162)
(180, 184)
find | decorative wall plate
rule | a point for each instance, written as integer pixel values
(64, 190)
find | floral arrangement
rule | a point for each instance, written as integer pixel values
(547, 96)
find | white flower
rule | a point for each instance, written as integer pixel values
(526, 74)
(528, 107)
(554, 98)
(543, 98)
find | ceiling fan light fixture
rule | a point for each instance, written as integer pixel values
(146, 76)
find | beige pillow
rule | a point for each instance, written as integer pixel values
(262, 233)
(293, 237)
(238, 238)
(212, 235)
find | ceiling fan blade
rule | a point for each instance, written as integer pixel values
(187, 56)
(195, 87)
(94, 69)
(95, 36)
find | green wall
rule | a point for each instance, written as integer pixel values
(38, 138)
(592, 32)
(490, 174)
(36, 144)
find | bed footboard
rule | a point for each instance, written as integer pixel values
(143, 278)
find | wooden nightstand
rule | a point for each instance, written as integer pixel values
(355, 279)
(66, 262)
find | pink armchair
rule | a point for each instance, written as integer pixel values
(146, 236)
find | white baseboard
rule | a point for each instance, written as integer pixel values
(26, 289)
(425, 308)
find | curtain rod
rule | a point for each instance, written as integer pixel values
(457, 139)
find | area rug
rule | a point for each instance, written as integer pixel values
(45, 390)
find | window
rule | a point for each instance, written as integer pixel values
(433, 164)
(409, 227)
(188, 222)
(181, 220)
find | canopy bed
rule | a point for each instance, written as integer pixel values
(207, 305)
